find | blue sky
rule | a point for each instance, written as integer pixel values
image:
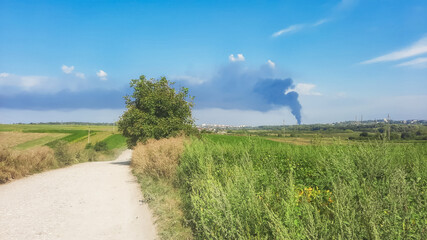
(72, 60)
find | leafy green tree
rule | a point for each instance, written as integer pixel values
(156, 110)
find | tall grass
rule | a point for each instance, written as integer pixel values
(251, 188)
(16, 164)
(19, 163)
(158, 158)
(155, 163)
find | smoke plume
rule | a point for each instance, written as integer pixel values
(236, 87)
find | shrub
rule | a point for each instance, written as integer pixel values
(407, 135)
(100, 146)
(63, 153)
(364, 134)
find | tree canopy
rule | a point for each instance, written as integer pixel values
(155, 110)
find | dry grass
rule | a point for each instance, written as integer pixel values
(16, 164)
(11, 139)
(158, 158)
(155, 163)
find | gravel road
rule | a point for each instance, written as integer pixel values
(94, 200)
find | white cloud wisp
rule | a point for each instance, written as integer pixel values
(304, 89)
(418, 48)
(288, 30)
(418, 63)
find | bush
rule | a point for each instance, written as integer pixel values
(63, 153)
(100, 146)
(407, 135)
(364, 134)
(88, 146)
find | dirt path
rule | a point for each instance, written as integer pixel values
(96, 200)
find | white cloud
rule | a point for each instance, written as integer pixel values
(298, 27)
(419, 47)
(271, 63)
(189, 79)
(67, 69)
(304, 89)
(239, 58)
(290, 29)
(320, 22)
(418, 62)
(4, 75)
(102, 75)
(25, 83)
(80, 75)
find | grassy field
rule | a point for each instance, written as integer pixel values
(252, 188)
(12, 139)
(27, 136)
(32, 148)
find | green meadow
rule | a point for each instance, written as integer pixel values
(68, 133)
(239, 187)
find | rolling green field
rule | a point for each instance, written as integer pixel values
(31, 148)
(251, 188)
(74, 134)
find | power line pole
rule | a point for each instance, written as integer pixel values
(284, 132)
(389, 126)
(88, 136)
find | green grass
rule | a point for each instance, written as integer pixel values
(163, 199)
(252, 188)
(71, 134)
(115, 141)
(38, 142)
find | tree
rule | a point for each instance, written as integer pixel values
(155, 110)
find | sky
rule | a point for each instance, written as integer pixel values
(245, 62)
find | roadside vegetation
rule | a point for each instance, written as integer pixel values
(39, 147)
(157, 118)
(154, 164)
(351, 181)
(248, 187)
(240, 187)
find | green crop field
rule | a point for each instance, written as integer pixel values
(76, 134)
(252, 188)
(115, 141)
